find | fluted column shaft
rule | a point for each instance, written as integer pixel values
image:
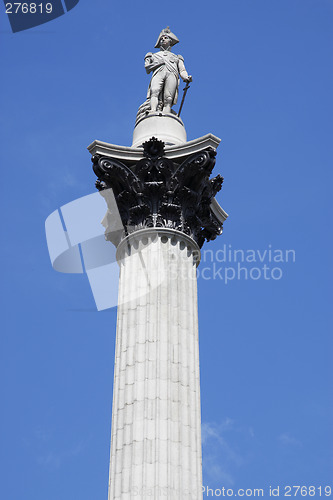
(156, 422)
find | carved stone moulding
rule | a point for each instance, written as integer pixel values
(159, 192)
(130, 154)
(136, 241)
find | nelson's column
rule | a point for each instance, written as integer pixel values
(161, 189)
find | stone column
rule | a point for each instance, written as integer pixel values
(167, 208)
(156, 434)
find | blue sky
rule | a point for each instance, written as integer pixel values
(262, 82)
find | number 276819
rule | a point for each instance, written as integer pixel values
(26, 8)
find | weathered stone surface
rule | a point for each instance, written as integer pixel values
(156, 423)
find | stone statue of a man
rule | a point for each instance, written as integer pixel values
(166, 68)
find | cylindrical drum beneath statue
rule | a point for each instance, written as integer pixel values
(156, 421)
(168, 128)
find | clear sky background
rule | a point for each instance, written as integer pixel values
(262, 82)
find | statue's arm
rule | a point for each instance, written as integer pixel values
(182, 71)
(151, 63)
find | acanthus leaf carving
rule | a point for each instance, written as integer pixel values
(158, 192)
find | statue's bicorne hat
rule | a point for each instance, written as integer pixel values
(166, 31)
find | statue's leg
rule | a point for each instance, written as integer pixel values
(170, 88)
(156, 86)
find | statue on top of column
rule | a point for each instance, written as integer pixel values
(166, 69)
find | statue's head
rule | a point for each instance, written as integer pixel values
(166, 39)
